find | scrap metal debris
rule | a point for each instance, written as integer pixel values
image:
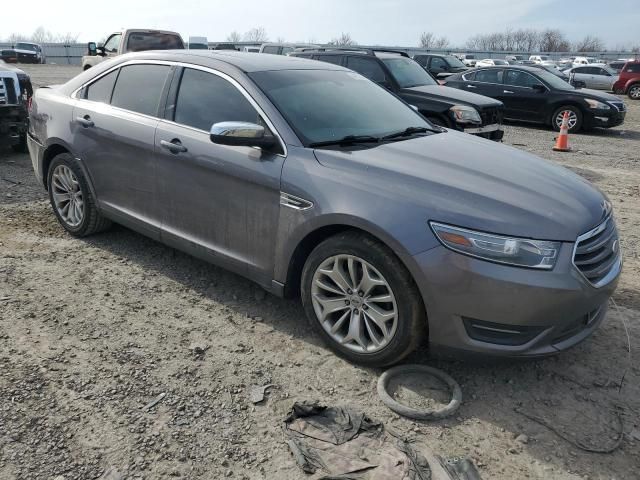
(155, 401)
(257, 393)
(343, 443)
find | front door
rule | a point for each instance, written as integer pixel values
(520, 100)
(219, 202)
(114, 127)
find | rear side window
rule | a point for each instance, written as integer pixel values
(368, 68)
(489, 76)
(101, 89)
(205, 99)
(334, 59)
(633, 68)
(270, 49)
(139, 88)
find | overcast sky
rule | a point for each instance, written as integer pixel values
(384, 22)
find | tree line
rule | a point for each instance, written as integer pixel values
(42, 35)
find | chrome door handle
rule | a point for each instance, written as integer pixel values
(85, 121)
(174, 146)
(507, 91)
(471, 86)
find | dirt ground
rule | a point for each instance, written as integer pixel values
(93, 330)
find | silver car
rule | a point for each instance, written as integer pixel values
(312, 180)
(599, 77)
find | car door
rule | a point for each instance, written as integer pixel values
(520, 99)
(218, 202)
(586, 74)
(114, 124)
(603, 78)
(112, 45)
(486, 82)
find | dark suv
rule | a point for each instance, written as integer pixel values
(15, 94)
(440, 66)
(447, 107)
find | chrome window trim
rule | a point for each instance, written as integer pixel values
(226, 77)
(616, 268)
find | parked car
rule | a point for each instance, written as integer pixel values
(535, 95)
(578, 61)
(281, 169)
(131, 40)
(539, 58)
(198, 43)
(225, 46)
(24, 52)
(400, 74)
(440, 66)
(251, 49)
(600, 77)
(556, 72)
(549, 63)
(15, 94)
(515, 59)
(468, 59)
(283, 48)
(619, 64)
(629, 80)
(490, 62)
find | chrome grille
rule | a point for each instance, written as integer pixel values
(3, 92)
(597, 253)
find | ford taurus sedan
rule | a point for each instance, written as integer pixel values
(392, 230)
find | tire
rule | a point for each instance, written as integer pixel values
(65, 175)
(634, 91)
(574, 127)
(21, 147)
(398, 300)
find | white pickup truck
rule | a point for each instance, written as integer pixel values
(131, 40)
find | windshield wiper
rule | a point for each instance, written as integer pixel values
(348, 140)
(408, 132)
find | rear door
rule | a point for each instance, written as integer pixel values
(486, 82)
(218, 202)
(520, 100)
(114, 124)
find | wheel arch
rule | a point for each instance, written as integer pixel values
(569, 103)
(52, 150)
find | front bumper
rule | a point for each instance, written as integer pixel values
(13, 125)
(605, 118)
(475, 306)
(492, 132)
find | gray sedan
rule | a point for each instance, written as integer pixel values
(313, 181)
(599, 77)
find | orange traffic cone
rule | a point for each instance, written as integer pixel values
(562, 142)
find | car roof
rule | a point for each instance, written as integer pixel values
(524, 68)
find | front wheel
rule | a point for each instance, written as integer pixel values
(362, 300)
(575, 118)
(634, 92)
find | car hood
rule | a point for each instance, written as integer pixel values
(596, 94)
(449, 94)
(471, 182)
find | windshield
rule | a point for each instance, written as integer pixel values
(325, 105)
(26, 46)
(554, 81)
(141, 41)
(408, 73)
(454, 62)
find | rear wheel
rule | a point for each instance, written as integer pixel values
(71, 199)
(362, 300)
(575, 118)
(634, 92)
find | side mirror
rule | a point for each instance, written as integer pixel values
(93, 48)
(241, 134)
(538, 87)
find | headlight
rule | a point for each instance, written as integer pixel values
(465, 114)
(521, 252)
(596, 104)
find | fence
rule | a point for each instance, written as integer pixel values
(72, 54)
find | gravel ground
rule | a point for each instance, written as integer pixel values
(93, 330)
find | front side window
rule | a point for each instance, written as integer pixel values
(326, 105)
(455, 62)
(367, 67)
(101, 89)
(139, 88)
(518, 78)
(205, 99)
(408, 73)
(113, 43)
(438, 63)
(493, 75)
(286, 50)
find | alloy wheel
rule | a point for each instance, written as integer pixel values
(67, 195)
(354, 303)
(634, 92)
(573, 118)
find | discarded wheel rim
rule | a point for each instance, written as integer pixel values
(409, 412)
